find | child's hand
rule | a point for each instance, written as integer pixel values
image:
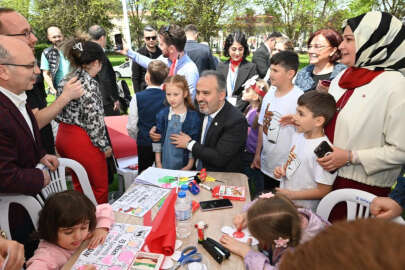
(240, 221)
(98, 237)
(154, 136)
(279, 172)
(235, 246)
(256, 162)
(158, 164)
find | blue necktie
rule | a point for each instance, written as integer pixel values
(209, 120)
(199, 161)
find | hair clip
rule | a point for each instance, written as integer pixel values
(281, 242)
(78, 46)
(251, 83)
(266, 195)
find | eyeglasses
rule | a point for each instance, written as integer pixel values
(151, 38)
(28, 66)
(317, 47)
(26, 34)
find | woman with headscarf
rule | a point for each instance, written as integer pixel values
(368, 128)
(237, 70)
(323, 53)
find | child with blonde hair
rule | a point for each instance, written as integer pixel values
(178, 117)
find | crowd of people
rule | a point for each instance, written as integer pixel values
(263, 118)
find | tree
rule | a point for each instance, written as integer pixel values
(72, 16)
(22, 6)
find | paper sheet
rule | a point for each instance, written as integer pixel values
(139, 200)
(164, 178)
(119, 249)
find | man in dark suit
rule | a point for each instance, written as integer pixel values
(20, 145)
(199, 53)
(106, 77)
(151, 50)
(224, 128)
(261, 57)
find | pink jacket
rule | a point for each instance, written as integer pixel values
(50, 256)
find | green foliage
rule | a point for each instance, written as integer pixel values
(71, 16)
(39, 47)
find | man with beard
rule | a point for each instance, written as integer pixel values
(151, 50)
(224, 128)
(54, 65)
(172, 40)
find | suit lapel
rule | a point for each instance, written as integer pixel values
(224, 69)
(217, 122)
(243, 72)
(17, 115)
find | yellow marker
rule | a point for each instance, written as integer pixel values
(210, 179)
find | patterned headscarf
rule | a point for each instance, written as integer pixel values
(380, 41)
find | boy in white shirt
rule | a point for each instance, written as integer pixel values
(303, 180)
(274, 142)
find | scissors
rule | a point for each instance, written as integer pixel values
(188, 255)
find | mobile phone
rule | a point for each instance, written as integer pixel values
(323, 149)
(118, 41)
(325, 83)
(215, 204)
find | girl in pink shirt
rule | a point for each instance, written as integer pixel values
(67, 219)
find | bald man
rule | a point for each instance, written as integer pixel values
(54, 65)
(15, 25)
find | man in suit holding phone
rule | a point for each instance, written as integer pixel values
(224, 128)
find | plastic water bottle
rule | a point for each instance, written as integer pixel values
(183, 215)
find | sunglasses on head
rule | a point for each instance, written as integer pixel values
(151, 38)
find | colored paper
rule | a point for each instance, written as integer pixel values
(119, 249)
(139, 200)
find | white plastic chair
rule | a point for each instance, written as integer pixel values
(358, 204)
(30, 204)
(58, 180)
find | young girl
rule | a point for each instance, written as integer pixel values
(253, 93)
(67, 219)
(82, 133)
(278, 225)
(179, 117)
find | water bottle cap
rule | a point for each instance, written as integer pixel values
(181, 194)
(184, 187)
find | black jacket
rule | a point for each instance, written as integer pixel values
(224, 142)
(107, 82)
(246, 71)
(261, 57)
